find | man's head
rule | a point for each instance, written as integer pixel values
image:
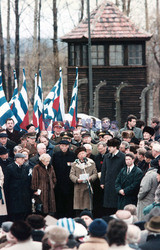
(133, 234)
(16, 149)
(81, 152)
(3, 138)
(86, 138)
(36, 221)
(129, 159)
(21, 231)
(148, 132)
(153, 225)
(87, 216)
(77, 135)
(154, 122)
(10, 124)
(41, 148)
(31, 138)
(113, 145)
(105, 123)
(102, 147)
(88, 149)
(131, 121)
(19, 158)
(64, 146)
(3, 153)
(124, 147)
(44, 140)
(116, 232)
(57, 235)
(156, 150)
(57, 127)
(141, 153)
(30, 128)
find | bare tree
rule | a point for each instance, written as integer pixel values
(8, 53)
(55, 42)
(2, 52)
(146, 15)
(82, 10)
(17, 38)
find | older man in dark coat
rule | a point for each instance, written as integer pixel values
(113, 162)
(61, 162)
(128, 182)
(17, 187)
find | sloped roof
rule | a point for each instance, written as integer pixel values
(107, 22)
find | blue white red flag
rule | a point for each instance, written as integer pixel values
(15, 92)
(5, 111)
(40, 102)
(20, 106)
(54, 102)
(35, 107)
(74, 102)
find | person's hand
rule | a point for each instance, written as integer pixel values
(36, 193)
(122, 192)
(79, 181)
(102, 186)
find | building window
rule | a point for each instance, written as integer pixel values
(135, 54)
(84, 54)
(97, 54)
(71, 55)
(77, 55)
(116, 55)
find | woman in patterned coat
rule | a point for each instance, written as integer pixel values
(83, 173)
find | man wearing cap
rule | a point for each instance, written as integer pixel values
(113, 162)
(5, 142)
(153, 239)
(31, 144)
(86, 138)
(13, 134)
(17, 186)
(5, 160)
(57, 129)
(67, 136)
(61, 162)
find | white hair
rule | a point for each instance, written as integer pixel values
(88, 146)
(156, 147)
(43, 157)
(133, 234)
(39, 145)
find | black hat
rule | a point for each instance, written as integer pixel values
(29, 125)
(98, 227)
(114, 142)
(32, 135)
(3, 135)
(64, 142)
(80, 149)
(149, 130)
(86, 212)
(86, 134)
(66, 134)
(3, 150)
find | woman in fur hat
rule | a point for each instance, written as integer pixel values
(83, 173)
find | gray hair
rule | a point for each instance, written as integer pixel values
(133, 234)
(39, 145)
(17, 148)
(43, 157)
(88, 146)
(102, 143)
(126, 144)
(156, 147)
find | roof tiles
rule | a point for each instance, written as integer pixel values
(107, 22)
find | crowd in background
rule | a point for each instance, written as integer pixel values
(86, 188)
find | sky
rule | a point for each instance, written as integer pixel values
(68, 16)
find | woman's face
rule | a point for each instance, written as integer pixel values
(46, 161)
(82, 155)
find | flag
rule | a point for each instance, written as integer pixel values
(20, 106)
(54, 102)
(35, 107)
(74, 101)
(38, 104)
(15, 92)
(5, 111)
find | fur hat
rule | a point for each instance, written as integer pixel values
(149, 130)
(114, 142)
(98, 227)
(128, 134)
(80, 149)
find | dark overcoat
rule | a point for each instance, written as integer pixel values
(110, 169)
(130, 183)
(18, 191)
(45, 180)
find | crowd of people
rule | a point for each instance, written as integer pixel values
(86, 188)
